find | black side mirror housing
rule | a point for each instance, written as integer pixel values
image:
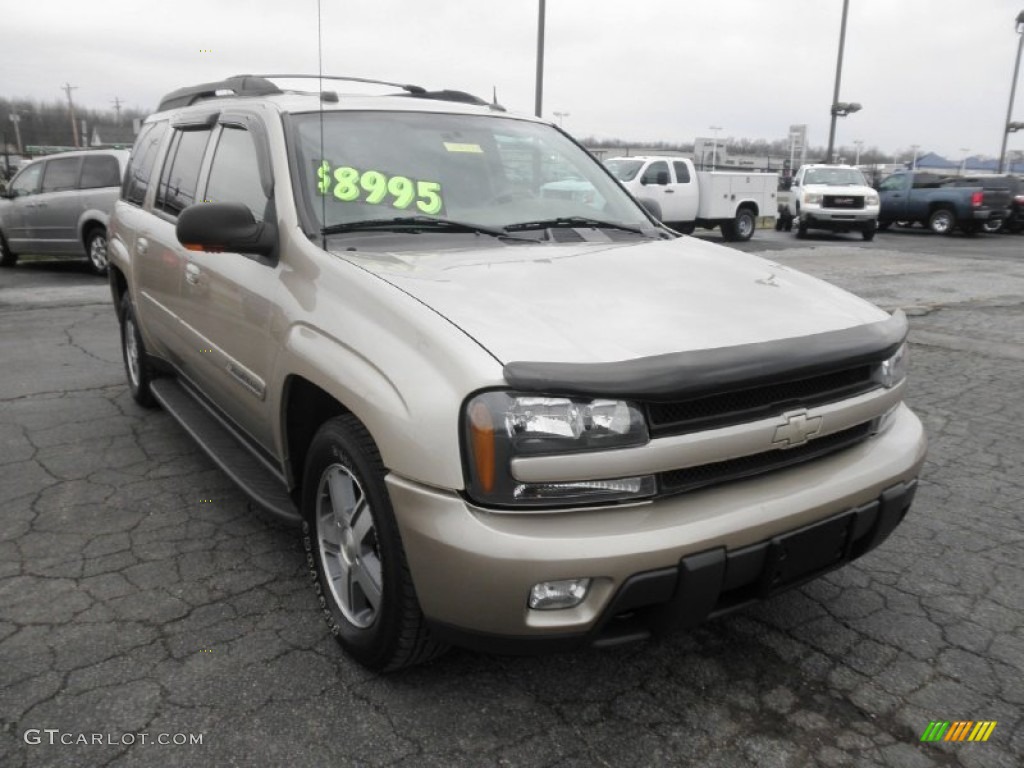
(231, 227)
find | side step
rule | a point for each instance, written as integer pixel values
(257, 480)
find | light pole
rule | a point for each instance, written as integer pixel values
(858, 143)
(539, 90)
(839, 109)
(714, 144)
(913, 163)
(1013, 88)
(963, 163)
(561, 116)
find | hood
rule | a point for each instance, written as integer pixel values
(607, 302)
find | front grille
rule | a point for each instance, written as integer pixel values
(745, 405)
(851, 202)
(691, 478)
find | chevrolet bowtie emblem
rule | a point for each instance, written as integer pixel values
(797, 428)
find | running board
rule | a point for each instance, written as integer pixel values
(259, 482)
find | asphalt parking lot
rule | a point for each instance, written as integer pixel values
(138, 595)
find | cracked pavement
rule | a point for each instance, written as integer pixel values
(138, 593)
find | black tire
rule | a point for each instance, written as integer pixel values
(994, 225)
(7, 259)
(744, 224)
(801, 229)
(686, 228)
(868, 232)
(137, 367)
(942, 221)
(354, 551)
(96, 250)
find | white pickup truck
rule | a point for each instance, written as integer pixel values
(688, 198)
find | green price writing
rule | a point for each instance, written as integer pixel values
(347, 184)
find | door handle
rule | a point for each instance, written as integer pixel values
(141, 246)
(670, 191)
(191, 274)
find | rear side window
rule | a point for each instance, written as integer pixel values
(235, 173)
(682, 173)
(61, 174)
(180, 176)
(100, 171)
(140, 167)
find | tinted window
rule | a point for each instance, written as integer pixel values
(140, 167)
(682, 172)
(61, 174)
(181, 171)
(892, 183)
(27, 182)
(100, 171)
(651, 174)
(235, 173)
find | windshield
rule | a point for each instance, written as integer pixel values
(481, 170)
(835, 177)
(624, 170)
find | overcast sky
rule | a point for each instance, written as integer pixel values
(930, 72)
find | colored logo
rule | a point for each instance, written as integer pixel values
(959, 730)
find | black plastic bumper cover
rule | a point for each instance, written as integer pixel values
(717, 581)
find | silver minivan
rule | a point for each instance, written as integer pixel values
(60, 206)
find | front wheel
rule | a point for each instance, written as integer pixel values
(96, 248)
(942, 221)
(868, 233)
(354, 552)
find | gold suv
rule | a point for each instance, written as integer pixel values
(503, 418)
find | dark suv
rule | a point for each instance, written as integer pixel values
(60, 206)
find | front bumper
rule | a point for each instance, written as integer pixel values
(672, 562)
(838, 219)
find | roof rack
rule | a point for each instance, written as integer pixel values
(260, 85)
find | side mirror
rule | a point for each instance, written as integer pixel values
(231, 227)
(651, 206)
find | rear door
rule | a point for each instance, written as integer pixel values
(54, 217)
(685, 192)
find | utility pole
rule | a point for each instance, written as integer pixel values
(913, 163)
(68, 88)
(16, 118)
(117, 106)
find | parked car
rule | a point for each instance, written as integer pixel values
(688, 198)
(836, 198)
(60, 206)
(1014, 185)
(921, 196)
(503, 419)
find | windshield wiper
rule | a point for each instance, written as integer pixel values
(571, 221)
(414, 223)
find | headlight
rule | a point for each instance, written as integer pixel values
(499, 426)
(812, 198)
(894, 370)
(871, 199)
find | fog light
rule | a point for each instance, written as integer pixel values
(552, 595)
